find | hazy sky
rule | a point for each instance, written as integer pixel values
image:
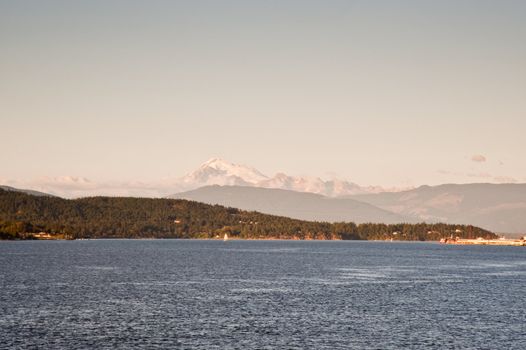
(392, 93)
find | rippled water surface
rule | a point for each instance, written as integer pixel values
(109, 294)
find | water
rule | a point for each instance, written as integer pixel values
(122, 294)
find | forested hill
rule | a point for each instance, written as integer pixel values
(115, 217)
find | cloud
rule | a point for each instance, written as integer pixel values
(479, 158)
(74, 187)
(65, 182)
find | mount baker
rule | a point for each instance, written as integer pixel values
(218, 171)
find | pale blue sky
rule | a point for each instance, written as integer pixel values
(393, 93)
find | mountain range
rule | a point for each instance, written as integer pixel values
(213, 172)
(218, 171)
(297, 205)
(31, 192)
(497, 207)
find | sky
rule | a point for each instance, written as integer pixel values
(391, 93)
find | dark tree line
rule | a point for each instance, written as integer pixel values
(21, 215)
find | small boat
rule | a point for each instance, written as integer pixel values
(225, 238)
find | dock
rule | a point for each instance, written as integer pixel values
(481, 241)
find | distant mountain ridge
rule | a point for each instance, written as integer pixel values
(31, 192)
(297, 205)
(497, 207)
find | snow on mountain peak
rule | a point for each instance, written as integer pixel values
(217, 171)
(216, 163)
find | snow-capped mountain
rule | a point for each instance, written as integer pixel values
(220, 172)
(217, 171)
(332, 188)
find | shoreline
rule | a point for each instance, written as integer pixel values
(480, 241)
(215, 239)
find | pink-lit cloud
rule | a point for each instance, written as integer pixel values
(479, 158)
